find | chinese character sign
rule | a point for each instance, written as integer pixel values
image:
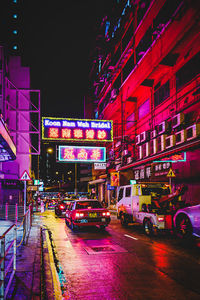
(77, 130)
(81, 154)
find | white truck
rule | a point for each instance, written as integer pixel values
(150, 204)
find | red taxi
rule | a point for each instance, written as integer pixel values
(87, 213)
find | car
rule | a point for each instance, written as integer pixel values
(88, 212)
(61, 207)
(52, 203)
(187, 222)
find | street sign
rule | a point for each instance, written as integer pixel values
(171, 173)
(25, 176)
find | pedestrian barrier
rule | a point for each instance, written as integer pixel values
(8, 242)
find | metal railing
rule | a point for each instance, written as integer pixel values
(12, 239)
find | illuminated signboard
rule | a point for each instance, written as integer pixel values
(181, 157)
(77, 130)
(81, 154)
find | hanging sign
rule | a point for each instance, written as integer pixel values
(77, 130)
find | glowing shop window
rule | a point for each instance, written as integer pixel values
(78, 133)
(101, 134)
(66, 133)
(89, 134)
(53, 132)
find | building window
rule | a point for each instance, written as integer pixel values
(130, 120)
(161, 94)
(15, 16)
(15, 47)
(128, 68)
(15, 31)
(188, 71)
(144, 109)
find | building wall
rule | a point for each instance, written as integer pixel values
(154, 68)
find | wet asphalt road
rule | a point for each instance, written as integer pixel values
(123, 263)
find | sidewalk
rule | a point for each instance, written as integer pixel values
(26, 283)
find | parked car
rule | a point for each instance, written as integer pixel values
(87, 213)
(61, 207)
(52, 202)
(187, 221)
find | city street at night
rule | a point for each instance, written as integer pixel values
(123, 263)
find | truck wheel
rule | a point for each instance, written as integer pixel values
(124, 220)
(148, 227)
(183, 227)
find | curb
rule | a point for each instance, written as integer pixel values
(51, 284)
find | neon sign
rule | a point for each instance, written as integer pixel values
(181, 157)
(77, 130)
(81, 154)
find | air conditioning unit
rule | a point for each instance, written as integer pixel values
(163, 127)
(117, 167)
(177, 120)
(137, 139)
(180, 137)
(192, 131)
(118, 144)
(170, 141)
(145, 150)
(129, 160)
(161, 142)
(125, 152)
(153, 146)
(153, 134)
(140, 152)
(113, 94)
(144, 136)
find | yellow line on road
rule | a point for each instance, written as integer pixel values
(56, 282)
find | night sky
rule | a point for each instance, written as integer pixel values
(58, 39)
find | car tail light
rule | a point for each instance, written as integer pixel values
(79, 215)
(161, 219)
(61, 206)
(106, 213)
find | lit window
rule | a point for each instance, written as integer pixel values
(15, 31)
(15, 16)
(14, 1)
(15, 47)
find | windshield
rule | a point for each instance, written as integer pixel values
(88, 204)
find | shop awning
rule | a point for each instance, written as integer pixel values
(7, 147)
(97, 181)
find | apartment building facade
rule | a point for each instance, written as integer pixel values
(145, 77)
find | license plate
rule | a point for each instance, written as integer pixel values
(92, 215)
(83, 221)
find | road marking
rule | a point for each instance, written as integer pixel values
(132, 237)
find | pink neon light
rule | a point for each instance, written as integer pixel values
(53, 132)
(78, 133)
(101, 134)
(66, 133)
(83, 154)
(90, 134)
